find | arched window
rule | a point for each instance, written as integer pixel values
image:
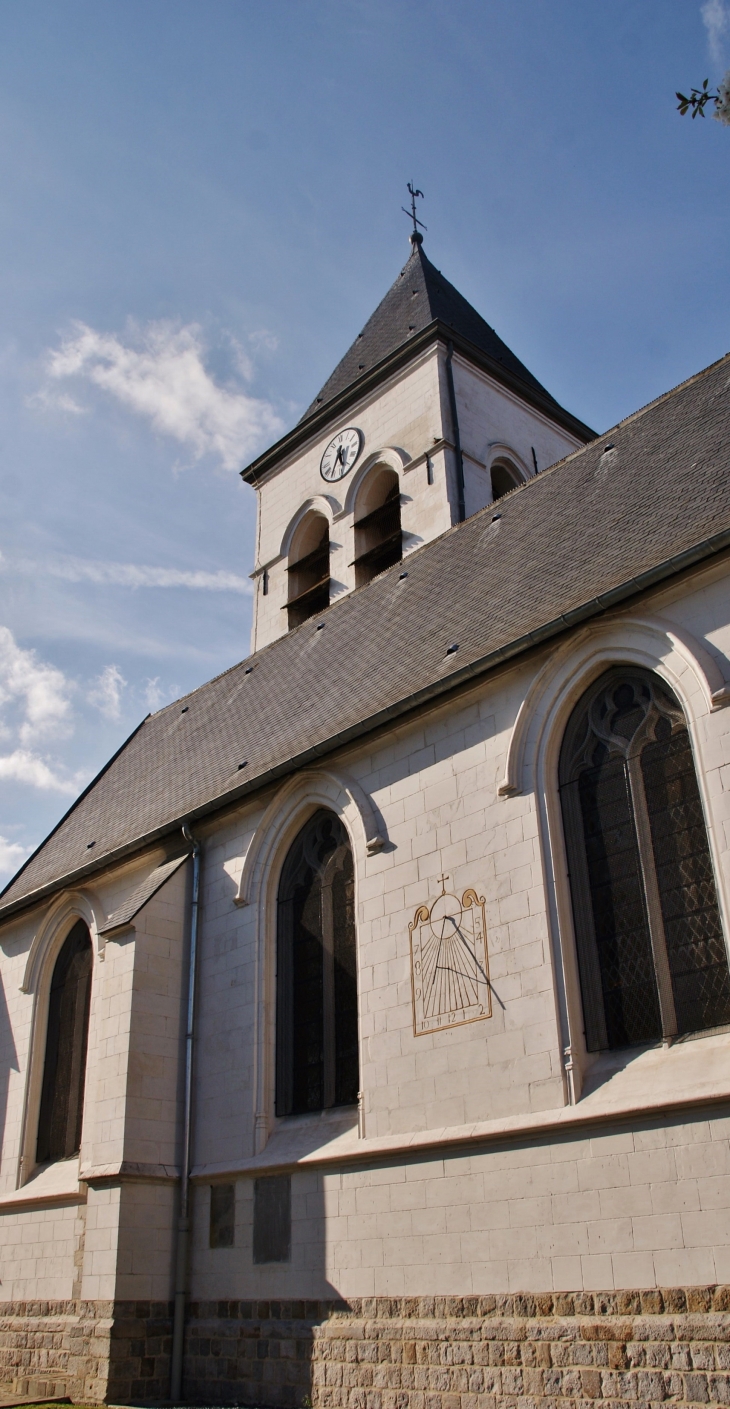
(378, 537)
(651, 950)
(505, 476)
(309, 570)
(316, 1009)
(64, 1071)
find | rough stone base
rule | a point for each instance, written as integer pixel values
(626, 1350)
(92, 1351)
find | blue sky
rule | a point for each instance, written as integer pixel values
(201, 207)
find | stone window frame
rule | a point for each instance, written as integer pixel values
(297, 800)
(46, 946)
(694, 675)
(583, 731)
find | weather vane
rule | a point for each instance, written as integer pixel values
(412, 211)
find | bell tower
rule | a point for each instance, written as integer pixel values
(428, 418)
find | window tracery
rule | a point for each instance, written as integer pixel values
(651, 950)
(316, 1010)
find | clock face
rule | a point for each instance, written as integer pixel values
(340, 455)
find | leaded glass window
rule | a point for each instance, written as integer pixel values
(316, 1010)
(67, 1032)
(651, 951)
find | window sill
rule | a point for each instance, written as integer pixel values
(56, 1183)
(635, 1084)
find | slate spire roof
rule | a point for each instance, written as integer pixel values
(419, 297)
(420, 308)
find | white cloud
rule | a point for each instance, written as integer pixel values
(47, 400)
(716, 19)
(40, 690)
(127, 574)
(22, 766)
(106, 692)
(11, 856)
(160, 374)
(35, 700)
(263, 340)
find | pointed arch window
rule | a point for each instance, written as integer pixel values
(378, 534)
(316, 1010)
(651, 951)
(67, 1033)
(309, 570)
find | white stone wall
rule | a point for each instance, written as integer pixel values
(495, 423)
(37, 1253)
(636, 1201)
(634, 1207)
(131, 1105)
(406, 418)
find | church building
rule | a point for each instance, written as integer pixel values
(365, 1024)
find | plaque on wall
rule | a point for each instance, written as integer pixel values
(449, 962)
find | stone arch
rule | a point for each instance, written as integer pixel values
(292, 805)
(505, 469)
(695, 677)
(54, 929)
(389, 458)
(324, 504)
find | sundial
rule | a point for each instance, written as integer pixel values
(449, 962)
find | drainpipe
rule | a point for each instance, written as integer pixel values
(460, 496)
(183, 1225)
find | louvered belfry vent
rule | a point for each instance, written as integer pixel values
(651, 951)
(316, 1010)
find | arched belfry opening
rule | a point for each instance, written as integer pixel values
(309, 570)
(378, 536)
(651, 950)
(317, 1062)
(67, 1033)
(504, 476)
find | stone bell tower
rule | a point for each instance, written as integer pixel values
(428, 418)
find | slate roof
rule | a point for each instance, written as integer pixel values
(631, 508)
(420, 308)
(420, 296)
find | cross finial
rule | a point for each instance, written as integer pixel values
(443, 879)
(416, 236)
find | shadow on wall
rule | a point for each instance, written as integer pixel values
(267, 1234)
(8, 1061)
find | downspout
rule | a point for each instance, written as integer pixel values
(183, 1225)
(460, 494)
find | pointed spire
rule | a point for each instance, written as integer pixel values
(420, 297)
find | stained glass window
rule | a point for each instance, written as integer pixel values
(316, 1012)
(651, 951)
(64, 1072)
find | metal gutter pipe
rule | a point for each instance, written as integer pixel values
(460, 493)
(183, 1224)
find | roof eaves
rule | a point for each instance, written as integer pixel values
(594, 607)
(76, 803)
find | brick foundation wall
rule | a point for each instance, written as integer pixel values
(90, 1351)
(629, 1350)
(626, 1350)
